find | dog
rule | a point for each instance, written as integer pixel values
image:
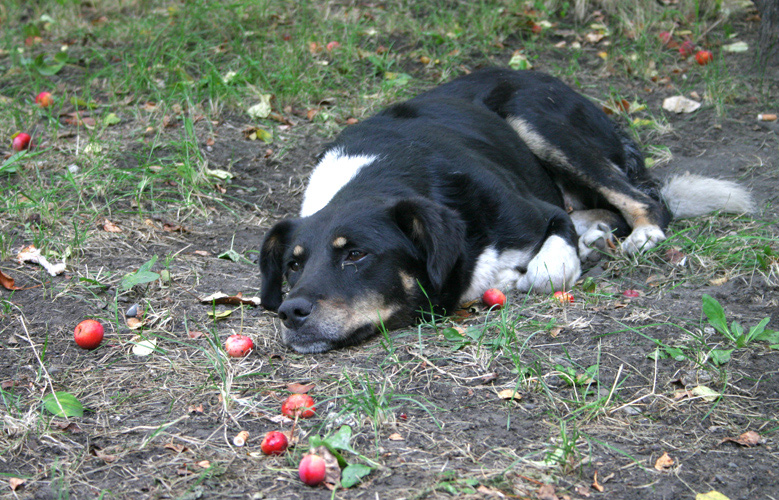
(499, 178)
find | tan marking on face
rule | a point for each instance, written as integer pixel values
(417, 229)
(339, 242)
(408, 281)
(298, 251)
(338, 318)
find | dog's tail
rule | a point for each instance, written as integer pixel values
(691, 195)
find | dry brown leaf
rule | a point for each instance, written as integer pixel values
(178, 448)
(204, 464)
(196, 409)
(546, 492)
(396, 437)
(195, 334)
(510, 394)
(16, 483)
(202, 253)
(675, 256)
(134, 323)
(584, 491)
(110, 227)
(174, 228)
(748, 439)
(595, 484)
(554, 332)
(296, 388)
(664, 463)
(332, 470)
(7, 282)
(105, 457)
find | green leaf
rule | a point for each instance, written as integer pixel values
(111, 119)
(770, 336)
(340, 440)
(353, 474)
(716, 315)
(45, 68)
(9, 165)
(63, 404)
(720, 356)
(141, 276)
(676, 353)
(758, 329)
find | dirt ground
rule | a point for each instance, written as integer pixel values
(162, 426)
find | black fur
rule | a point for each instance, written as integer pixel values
(453, 181)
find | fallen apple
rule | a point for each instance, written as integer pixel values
(494, 298)
(312, 470)
(665, 37)
(686, 48)
(238, 345)
(631, 294)
(301, 405)
(88, 334)
(703, 57)
(563, 297)
(44, 99)
(21, 141)
(274, 443)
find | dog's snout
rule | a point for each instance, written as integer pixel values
(293, 312)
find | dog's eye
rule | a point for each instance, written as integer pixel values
(355, 255)
(294, 266)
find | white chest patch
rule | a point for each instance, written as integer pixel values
(332, 173)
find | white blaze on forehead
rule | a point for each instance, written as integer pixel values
(332, 173)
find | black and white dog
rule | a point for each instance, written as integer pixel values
(499, 178)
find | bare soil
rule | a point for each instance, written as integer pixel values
(162, 426)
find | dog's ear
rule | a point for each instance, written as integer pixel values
(437, 231)
(272, 263)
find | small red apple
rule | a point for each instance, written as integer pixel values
(665, 37)
(703, 57)
(331, 46)
(563, 297)
(631, 294)
(88, 334)
(44, 99)
(494, 298)
(21, 141)
(312, 470)
(238, 345)
(301, 405)
(274, 443)
(686, 48)
(536, 28)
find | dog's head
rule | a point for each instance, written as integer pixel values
(351, 267)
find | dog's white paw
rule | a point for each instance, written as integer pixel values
(643, 238)
(595, 241)
(555, 267)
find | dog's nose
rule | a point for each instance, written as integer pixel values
(293, 312)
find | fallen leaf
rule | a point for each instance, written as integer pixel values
(196, 409)
(204, 464)
(708, 395)
(202, 253)
(218, 173)
(396, 437)
(143, 347)
(546, 492)
(110, 227)
(510, 394)
(519, 61)
(7, 282)
(254, 133)
(712, 495)
(332, 469)
(736, 47)
(296, 388)
(177, 448)
(585, 491)
(675, 256)
(134, 323)
(174, 228)
(680, 104)
(748, 439)
(195, 334)
(111, 119)
(16, 483)
(262, 109)
(664, 463)
(106, 457)
(718, 281)
(220, 314)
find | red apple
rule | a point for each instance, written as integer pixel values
(686, 48)
(703, 57)
(665, 37)
(536, 28)
(564, 297)
(301, 405)
(21, 141)
(238, 345)
(44, 99)
(274, 443)
(494, 298)
(88, 334)
(312, 470)
(631, 294)
(331, 46)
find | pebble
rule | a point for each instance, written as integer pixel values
(132, 311)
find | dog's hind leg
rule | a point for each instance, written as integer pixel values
(597, 230)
